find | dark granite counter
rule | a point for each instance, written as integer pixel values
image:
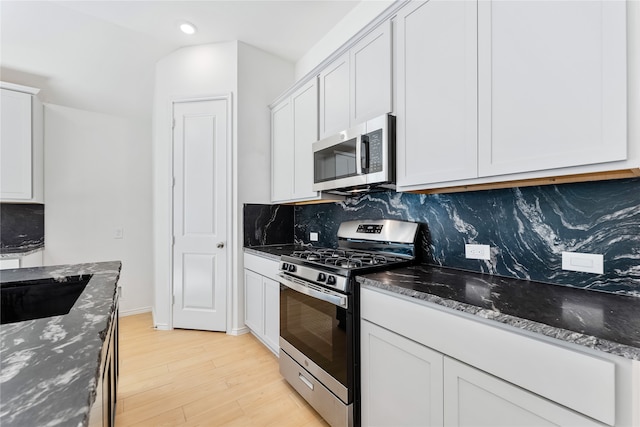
(50, 366)
(274, 251)
(598, 320)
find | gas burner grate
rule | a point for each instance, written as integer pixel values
(344, 258)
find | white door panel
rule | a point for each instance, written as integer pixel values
(198, 271)
(200, 220)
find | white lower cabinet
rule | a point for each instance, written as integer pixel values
(424, 365)
(474, 398)
(401, 380)
(31, 260)
(272, 313)
(405, 383)
(262, 300)
(253, 301)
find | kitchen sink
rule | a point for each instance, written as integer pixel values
(35, 299)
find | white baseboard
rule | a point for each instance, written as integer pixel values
(134, 311)
(159, 326)
(239, 331)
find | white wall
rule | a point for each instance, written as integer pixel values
(254, 78)
(261, 78)
(98, 178)
(192, 72)
(365, 12)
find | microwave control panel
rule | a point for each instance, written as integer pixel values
(375, 151)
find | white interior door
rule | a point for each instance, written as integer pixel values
(199, 214)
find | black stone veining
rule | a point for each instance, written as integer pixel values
(21, 228)
(527, 229)
(267, 224)
(50, 366)
(598, 320)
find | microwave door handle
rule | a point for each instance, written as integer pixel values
(359, 155)
(364, 154)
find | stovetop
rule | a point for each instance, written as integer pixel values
(364, 246)
(335, 268)
(344, 258)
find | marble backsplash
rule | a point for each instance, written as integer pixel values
(21, 227)
(267, 224)
(527, 228)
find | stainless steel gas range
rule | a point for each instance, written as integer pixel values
(320, 313)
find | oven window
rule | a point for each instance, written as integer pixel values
(318, 329)
(337, 161)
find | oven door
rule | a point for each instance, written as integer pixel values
(317, 331)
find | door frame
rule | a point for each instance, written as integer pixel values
(229, 241)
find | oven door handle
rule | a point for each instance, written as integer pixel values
(335, 299)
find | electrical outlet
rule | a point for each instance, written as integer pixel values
(313, 236)
(118, 233)
(586, 263)
(477, 251)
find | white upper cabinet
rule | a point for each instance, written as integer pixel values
(334, 97)
(436, 83)
(21, 148)
(281, 151)
(357, 86)
(491, 91)
(552, 84)
(305, 132)
(371, 85)
(294, 128)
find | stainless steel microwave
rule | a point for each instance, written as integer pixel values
(358, 159)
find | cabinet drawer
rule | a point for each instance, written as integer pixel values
(261, 265)
(573, 379)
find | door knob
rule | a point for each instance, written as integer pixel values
(220, 245)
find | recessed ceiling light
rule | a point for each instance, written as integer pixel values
(187, 28)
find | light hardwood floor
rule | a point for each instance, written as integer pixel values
(197, 378)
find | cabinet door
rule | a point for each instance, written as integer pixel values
(552, 84)
(272, 313)
(401, 380)
(253, 302)
(370, 83)
(475, 398)
(436, 92)
(334, 97)
(281, 152)
(15, 145)
(305, 132)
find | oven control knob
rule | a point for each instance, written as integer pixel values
(284, 266)
(331, 280)
(292, 268)
(322, 277)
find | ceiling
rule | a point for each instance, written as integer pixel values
(100, 55)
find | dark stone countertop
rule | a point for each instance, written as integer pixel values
(274, 251)
(598, 320)
(50, 366)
